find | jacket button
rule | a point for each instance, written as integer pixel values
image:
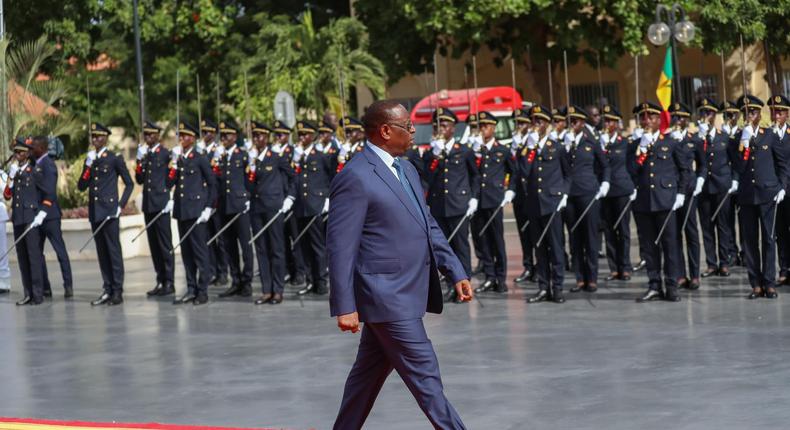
(540, 190)
(652, 186)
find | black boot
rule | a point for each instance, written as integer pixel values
(230, 292)
(155, 291)
(167, 289)
(102, 300)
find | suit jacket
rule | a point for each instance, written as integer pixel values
(383, 254)
(101, 181)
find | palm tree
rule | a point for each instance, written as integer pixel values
(30, 103)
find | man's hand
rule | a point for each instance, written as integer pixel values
(472, 207)
(733, 187)
(350, 322)
(90, 158)
(142, 150)
(680, 199)
(464, 290)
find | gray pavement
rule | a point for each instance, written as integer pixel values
(600, 361)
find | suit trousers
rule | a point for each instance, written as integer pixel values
(50, 230)
(716, 234)
(756, 222)
(237, 236)
(108, 250)
(648, 225)
(30, 260)
(160, 242)
(195, 254)
(405, 347)
(270, 250)
(691, 233)
(493, 243)
(618, 238)
(550, 255)
(585, 240)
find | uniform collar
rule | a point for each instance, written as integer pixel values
(490, 143)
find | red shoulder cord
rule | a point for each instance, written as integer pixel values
(340, 167)
(7, 193)
(746, 153)
(87, 174)
(531, 156)
(434, 165)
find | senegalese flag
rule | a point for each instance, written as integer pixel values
(664, 90)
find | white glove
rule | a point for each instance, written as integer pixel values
(176, 151)
(779, 196)
(733, 187)
(746, 136)
(477, 143)
(677, 135)
(437, 146)
(298, 153)
(168, 207)
(568, 140)
(287, 205)
(344, 148)
(326, 207)
(553, 135)
(509, 195)
(679, 200)
(603, 190)
(200, 146)
(532, 140)
(141, 151)
(704, 127)
(253, 154)
(13, 170)
(219, 151)
(698, 187)
(91, 157)
(472, 207)
(632, 197)
(644, 142)
(563, 202)
(204, 216)
(246, 206)
(117, 213)
(252, 165)
(39, 219)
(247, 144)
(638, 133)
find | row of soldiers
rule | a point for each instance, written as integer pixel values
(563, 173)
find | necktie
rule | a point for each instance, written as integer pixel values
(404, 181)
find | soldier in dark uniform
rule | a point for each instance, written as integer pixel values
(100, 177)
(544, 165)
(498, 177)
(234, 204)
(46, 175)
(762, 167)
(474, 141)
(643, 122)
(326, 137)
(560, 134)
(695, 158)
(191, 175)
(720, 183)
(731, 128)
(355, 140)
(272, 188)
(453, 186)
(28, 213)
(780, 106)
(660, 169)
(218, 256)
(294, 260)
(523, 132)
(590, 176)
(151, 173)
(314, 172)
(621, 192)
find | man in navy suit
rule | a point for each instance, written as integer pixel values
(384, 250)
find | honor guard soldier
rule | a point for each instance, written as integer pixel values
(643, 123)
(695, 158)
(559, 133)
(191, 176)
(46, 175)
(151, 173)
(326, 137)
(780, 106)
(27, 215)
(453, 186)
(473, 140)
(615, 210)
(234, 205)
(355, 140)
(761, 164)
(218, 256)
(314, 172)
(271, 183)
(498, 178)
(523, 129)
(720, 184)
(590, 176)
(294, 260)
(660, 168)
(730, 128)
(544, 164)
(100, 177)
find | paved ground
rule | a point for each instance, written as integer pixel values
(600, 361)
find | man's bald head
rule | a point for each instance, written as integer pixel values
(387, 126)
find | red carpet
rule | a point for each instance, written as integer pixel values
(7, 423)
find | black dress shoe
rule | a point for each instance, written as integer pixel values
(756, 294)
(500, 287)
(4, 291)
(186, 298)
(24, 301)
(200, 299)
(167, 290)
(683, 283)
(262, 300)
(725, 272)
(488, 285)
(578, 288)
(641, 265)
(321, 291)
(230, 292)
(155, 291)
(102, 300)
(625, 276)
(672, 295)
(709, 273)
(246, 291)
(540, 296)
(220, 280)
(523, 277)
(650, 295)
(591, 288)
(47, 293)
(771, 294)
(533, 276)
(694, 284)
(557, 296)
(34, 302)
(613, 277)
(306, 290)
(297, 280)
(276, 299)
(68, 292)
(115, 300)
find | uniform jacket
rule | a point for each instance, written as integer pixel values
(231, 172)
(314, 172)
(616, 152)
(719, 158)
(589, 165)
(46, 175)
(453, 179)
(272, 181)
(194, 183)
(497, 174)
(762, 168)
(544, 173)
(101, 181)
(151, 172)
(659, 175)
(25, 196)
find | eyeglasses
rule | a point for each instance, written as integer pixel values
(407, 128)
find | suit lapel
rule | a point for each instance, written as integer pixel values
(386, 175)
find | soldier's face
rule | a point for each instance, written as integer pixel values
(208, 136)
(228, 139)
(260, 139)
(98, 141)
(305, 139)
(357, 135)
(523, 126)
(577, 124)
(20, 156)
(542, 125)
(682, 121)
(324, 137)
(780, 116)
(611, 125)
(644, 120)
(446, 129)
(487, 130)
(733, 118)
(708, 116)
(151, 138)
(560, 124)
(753, 116)
(655, 121)
(282, 138)
(186, 140)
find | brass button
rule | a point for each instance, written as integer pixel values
(540, 179)
(652, 175)
(652, 186)
(540, 190)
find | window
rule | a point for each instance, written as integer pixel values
(590, 94)
(693, 88)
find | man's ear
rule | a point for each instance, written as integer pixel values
(385, 131)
